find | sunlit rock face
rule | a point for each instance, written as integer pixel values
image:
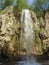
(2, 4)
(9, 33)
(41, 28)
(47, 22)
(46, 41)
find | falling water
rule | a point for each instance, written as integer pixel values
(27, 32)
(28, 29)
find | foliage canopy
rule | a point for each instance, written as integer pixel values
(21, 4)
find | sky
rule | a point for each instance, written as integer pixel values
(30, 1)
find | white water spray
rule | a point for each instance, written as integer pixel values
(27, 25)
(27, 32)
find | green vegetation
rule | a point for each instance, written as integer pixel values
(40, 7)
(8, 2)
(3, 11)
(21, 4)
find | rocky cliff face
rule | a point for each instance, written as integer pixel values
(10, 33)
(41, 29)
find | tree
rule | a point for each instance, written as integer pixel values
(8, 2)
(38, 7)
(39, 4)
(21, 4)
(2, 4)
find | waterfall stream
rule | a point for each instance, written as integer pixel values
(27, 32)
(27, 26)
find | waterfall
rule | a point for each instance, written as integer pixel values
(27, 32)
(27, 25)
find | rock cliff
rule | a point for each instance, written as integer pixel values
(10, 33)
